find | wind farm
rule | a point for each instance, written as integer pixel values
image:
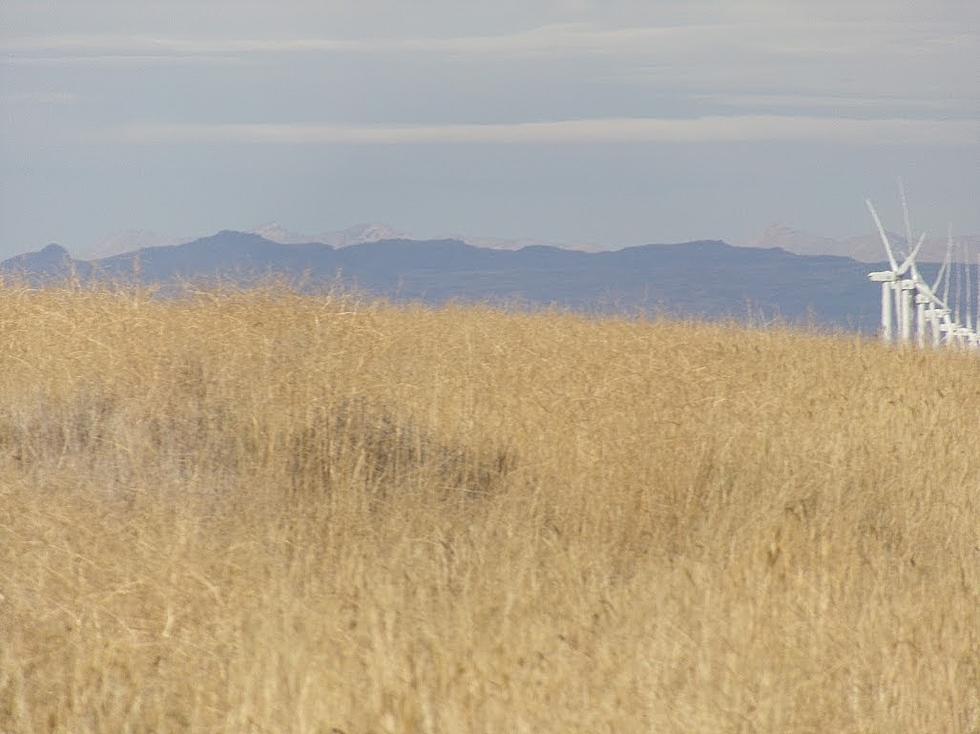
(912, 308)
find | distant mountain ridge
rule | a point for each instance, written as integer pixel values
(129, 240)
(865, 248)
(705, 279)
(361, 234)
(51, 262)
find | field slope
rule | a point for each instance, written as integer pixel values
(263, 512)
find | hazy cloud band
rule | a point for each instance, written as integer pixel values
(747, 128)
(787, 38)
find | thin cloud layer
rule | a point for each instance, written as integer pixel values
(40, 98)
(556, 119)
(826, 39)
(736, 61)
(804, 101)
(747, 128)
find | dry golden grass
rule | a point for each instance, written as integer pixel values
(268, 513)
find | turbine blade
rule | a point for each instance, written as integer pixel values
(942, 271)
(905, 213)
(884, 237)
(910, 260)
(949, 260)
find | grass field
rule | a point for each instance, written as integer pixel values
(267, 513)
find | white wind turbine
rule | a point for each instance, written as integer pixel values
(968, 287)
(893, 282)
(903, 283)
(937, 310)
(972, 337)
(961, 333)
(951, 324)
(929, 307)
(921, 299)
(931, 310)
(978, 297)
(961, 308)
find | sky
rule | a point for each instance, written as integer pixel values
(615, 122)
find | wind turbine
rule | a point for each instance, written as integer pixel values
(962, 334)
(921, 299)
(951, 275)
(968, 287)
(973, 304)
(892, 281)
(937, 309)
(903, 283)
(978, 298)
(950, 325)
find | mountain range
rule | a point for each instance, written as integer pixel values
(704, 279)
(866, 248)
(129, 240)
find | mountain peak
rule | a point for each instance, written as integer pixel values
(50, 262)
(276, 232)
(53, 250)
(356, 235)
(234, 235)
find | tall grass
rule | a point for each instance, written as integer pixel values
(271, 513)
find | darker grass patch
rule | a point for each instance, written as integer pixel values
(51, 431)
(385, 452)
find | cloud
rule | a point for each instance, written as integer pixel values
(785, 37)
(804, 78)
(141, 46)
(808, 101)
(715, 129)
(551, 39)
(100, 60)
(42, 98)
(774, 53)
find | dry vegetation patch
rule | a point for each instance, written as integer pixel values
(266, 512)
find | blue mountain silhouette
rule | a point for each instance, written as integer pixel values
(704, 279)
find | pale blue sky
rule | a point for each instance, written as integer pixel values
(610, 122)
